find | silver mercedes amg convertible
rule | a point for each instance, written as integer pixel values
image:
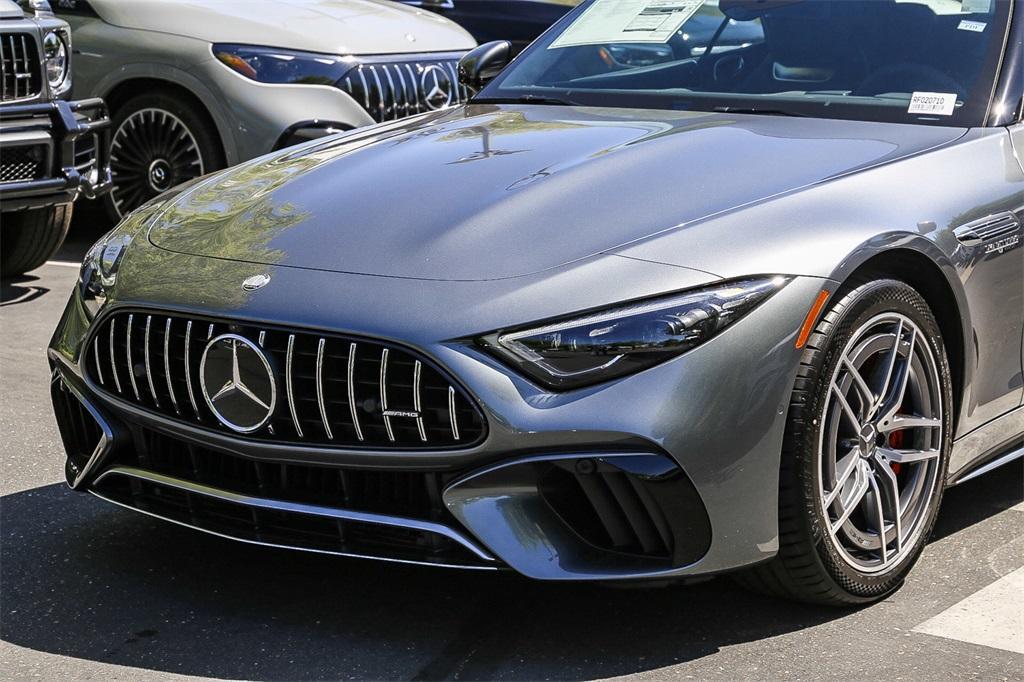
(635, 312)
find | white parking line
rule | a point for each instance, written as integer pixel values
(64, 263)
(992, 616)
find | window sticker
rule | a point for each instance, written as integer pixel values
(975, 26)
(935, 103)
(628, 21)
(976, 6)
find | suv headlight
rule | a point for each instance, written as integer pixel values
(99, 269)
(274, 65)
(55, 56)
(619, 341)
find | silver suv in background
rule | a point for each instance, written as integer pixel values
(39, 126)
(196, 86)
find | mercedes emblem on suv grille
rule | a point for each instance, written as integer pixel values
(237, 382)
(437, 86)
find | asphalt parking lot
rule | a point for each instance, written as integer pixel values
(91, 591)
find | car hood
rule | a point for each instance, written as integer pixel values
(329, 26)
(493, 192)
(10, 10)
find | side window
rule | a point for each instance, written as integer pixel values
(736, 35)
(75, 8)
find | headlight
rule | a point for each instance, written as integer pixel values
(273, 65)
(99, 269)
(55, 54)
(623, 340)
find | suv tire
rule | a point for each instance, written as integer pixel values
(29, 238)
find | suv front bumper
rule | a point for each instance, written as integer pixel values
(47, 132)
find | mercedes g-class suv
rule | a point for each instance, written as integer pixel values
(40, 173)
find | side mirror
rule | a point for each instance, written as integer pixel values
(481, 64)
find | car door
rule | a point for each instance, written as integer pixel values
(991, 262)
(1017, 140)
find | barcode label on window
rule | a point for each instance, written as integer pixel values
(974, 26)
(936, 103)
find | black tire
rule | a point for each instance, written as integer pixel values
(158, 133)
(810, 565)
(29, 238)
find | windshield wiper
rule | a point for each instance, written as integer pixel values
(524, 99)
(757, 110)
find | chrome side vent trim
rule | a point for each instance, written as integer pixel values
(988, 229)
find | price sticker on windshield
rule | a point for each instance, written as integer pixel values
(628, 21)
(935, 103)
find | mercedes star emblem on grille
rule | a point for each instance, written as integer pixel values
(437, 87)
(237, 383)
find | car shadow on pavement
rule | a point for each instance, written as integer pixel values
(20, 290)
(88, 580)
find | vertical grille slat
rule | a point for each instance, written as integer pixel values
(188, 369)
(338, 391)
(451, 413)
(128, 356)
(352, 348)
(96, 360)
(20, 67)
(167, 366)
(113, 360)
(149, 371)
(320, 388)
(289, 390)
(417, 400)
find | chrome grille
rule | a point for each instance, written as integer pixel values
(20, 67)
(333, 390)
(393, 90)
(22, 163)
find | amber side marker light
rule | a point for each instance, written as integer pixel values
(812, 317)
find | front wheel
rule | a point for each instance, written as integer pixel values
(866, 449)
(29, 238)
(159, 141)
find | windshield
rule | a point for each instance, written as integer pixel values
(911, 61)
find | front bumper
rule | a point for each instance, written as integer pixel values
(47, 132)
(696, 441)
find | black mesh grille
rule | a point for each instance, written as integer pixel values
(21, 74)
(364, 394)
(394, 493)
(397, 493)
(22, 163)
(394, 90)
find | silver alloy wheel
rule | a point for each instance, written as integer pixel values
(150, 152)
(880, 443)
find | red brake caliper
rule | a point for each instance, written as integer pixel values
(896, 442)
